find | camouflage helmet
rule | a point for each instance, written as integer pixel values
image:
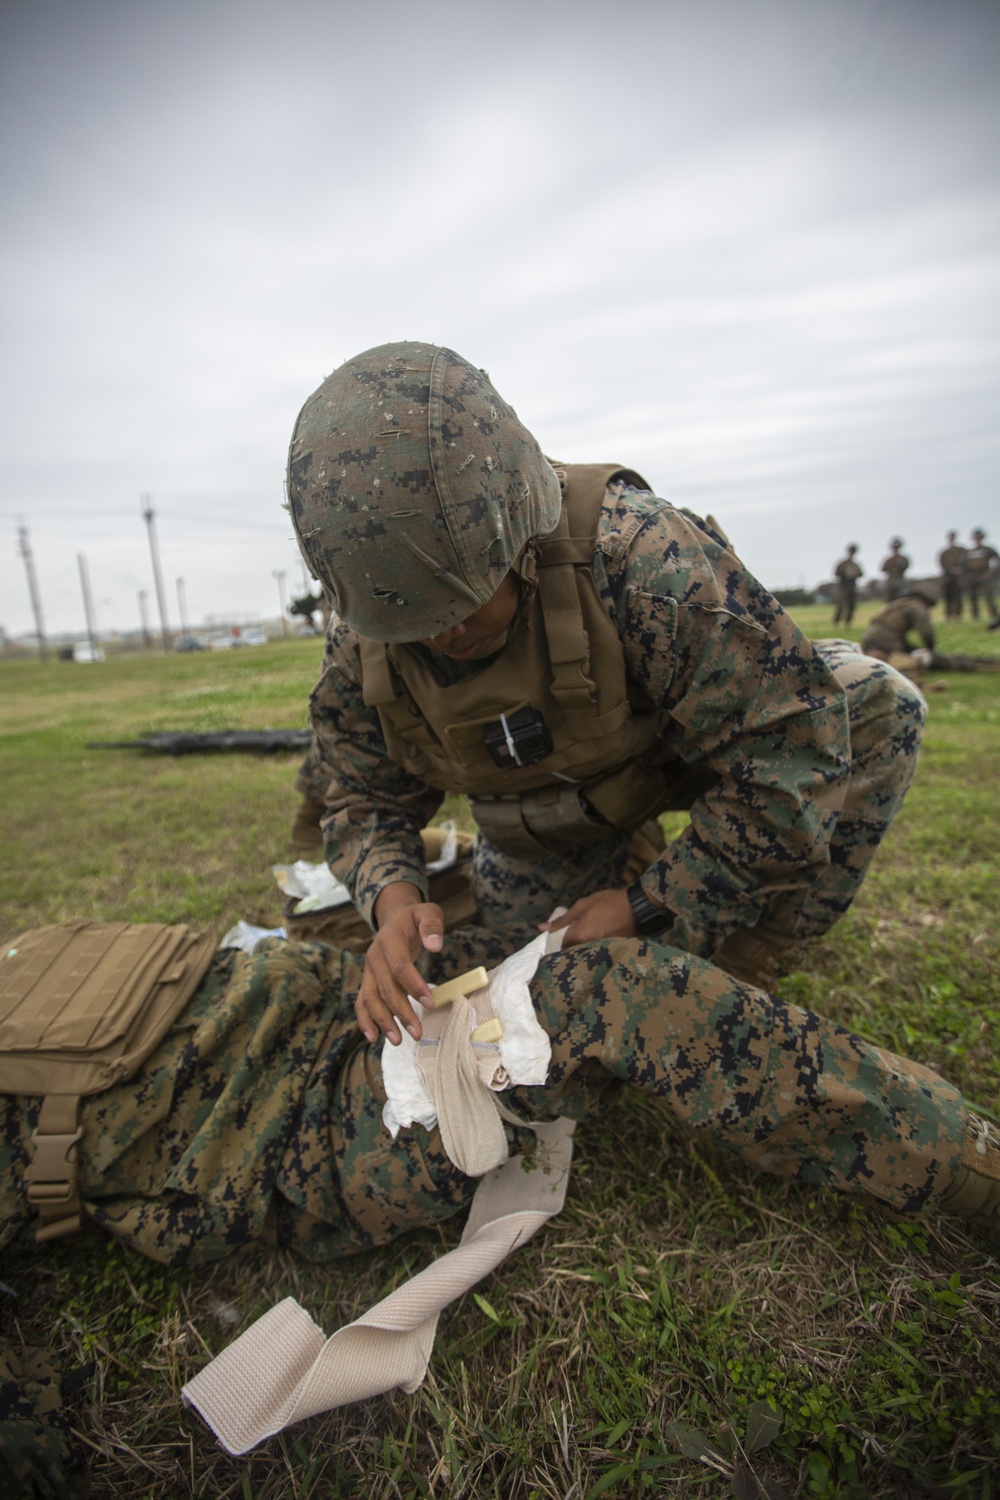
(413, 488)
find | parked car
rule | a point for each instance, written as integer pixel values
(189, 643)
(250, 637)
(85, 651)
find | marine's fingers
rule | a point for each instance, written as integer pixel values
(558, 923)
(384, 993)
(431, 930)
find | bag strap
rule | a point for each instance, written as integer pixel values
(51, 1177)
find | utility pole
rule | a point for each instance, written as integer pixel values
(36, 604)
(279, 574)
(182, 605)
(149, 516)
(147, 639)
(88, 603)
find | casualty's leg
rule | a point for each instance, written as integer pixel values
(791, 1093)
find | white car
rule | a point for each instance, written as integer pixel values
(84, 651)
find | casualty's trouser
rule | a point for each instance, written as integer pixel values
(261, 1119)
(886, 713)
(788, 1091)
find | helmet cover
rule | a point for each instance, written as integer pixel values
(413, 488)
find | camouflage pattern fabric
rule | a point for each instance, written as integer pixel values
(38, 1456)
(982, 572)
(847, 572)
(413, 487)
(894, 566)
(951, 561)
(259, 1118)
(888, 630)
(757, 721)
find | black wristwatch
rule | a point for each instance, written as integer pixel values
(649, 918)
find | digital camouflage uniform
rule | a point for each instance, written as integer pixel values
(982, 572)
(894, 567)
(888, 635)
(890, 629)
(847, 572)
(793, 757)
(258, 1119)
(951, 561)
(414, 491)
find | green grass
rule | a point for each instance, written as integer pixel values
(675, 1293)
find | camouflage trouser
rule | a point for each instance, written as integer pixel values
(951, 593)
(791, 1093)
(259, 1117)
(886, 713)
(984, 589)
(847, 595)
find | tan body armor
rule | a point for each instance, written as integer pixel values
(82, 1006)
(564, 660)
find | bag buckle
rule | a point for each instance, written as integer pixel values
(51, 1173)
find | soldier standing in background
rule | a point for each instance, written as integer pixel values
(982, 568)
(847, 572)
(894, 566)
(951, 561)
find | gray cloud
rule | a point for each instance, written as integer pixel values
(751, 250)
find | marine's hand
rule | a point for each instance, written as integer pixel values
(604, 914)
(390, 974)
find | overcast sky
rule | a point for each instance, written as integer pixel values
(752, 249)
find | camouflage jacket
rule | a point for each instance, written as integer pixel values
(889, 630)
(895, 565)
(742, 697)
(982, 562)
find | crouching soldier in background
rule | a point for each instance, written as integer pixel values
(888, 637)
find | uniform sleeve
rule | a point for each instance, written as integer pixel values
(375, 809)
(743, 696)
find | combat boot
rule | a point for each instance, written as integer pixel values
(975, 1193)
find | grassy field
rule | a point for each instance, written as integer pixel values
(675, 1291)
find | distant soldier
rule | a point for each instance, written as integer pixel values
(888, 637)
(894, 566)
(951, 561)
(982, 567)
(847, 572)
(888, 632)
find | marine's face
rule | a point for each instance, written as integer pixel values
(483, 632)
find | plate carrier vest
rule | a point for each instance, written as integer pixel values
(563, 659)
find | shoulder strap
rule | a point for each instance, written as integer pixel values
(82, 1006)
(569, 546)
